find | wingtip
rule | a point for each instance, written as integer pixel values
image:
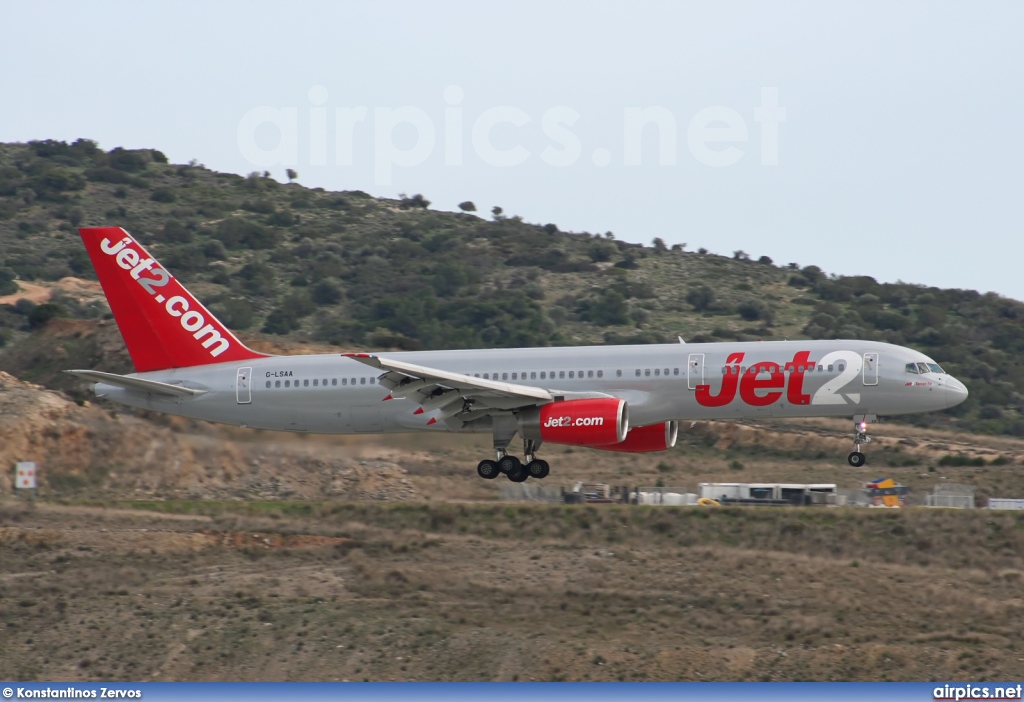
(389, 397)
(419, 410)
(432, 421)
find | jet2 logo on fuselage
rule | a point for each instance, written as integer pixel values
(178, 306)
(763, 383)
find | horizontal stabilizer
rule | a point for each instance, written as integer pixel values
(140, 384)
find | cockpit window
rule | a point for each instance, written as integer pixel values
(922, 367)
(912, 368)
(936, 368)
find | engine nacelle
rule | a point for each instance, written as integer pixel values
(589, 422)
(653, 437)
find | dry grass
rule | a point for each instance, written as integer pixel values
(496, 592)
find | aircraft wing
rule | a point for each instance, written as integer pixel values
(452, 393)
(141, 384)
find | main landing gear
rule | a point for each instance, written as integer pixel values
(509, 464)
(514, 469)
(860, 436)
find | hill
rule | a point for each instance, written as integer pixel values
(344, 268)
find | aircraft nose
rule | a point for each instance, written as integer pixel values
(956, 392)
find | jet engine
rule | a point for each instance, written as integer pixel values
(588, 422)
(653, 437)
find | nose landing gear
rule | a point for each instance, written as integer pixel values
(860, 436)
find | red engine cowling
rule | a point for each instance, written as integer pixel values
(589, 422)
(653, 437)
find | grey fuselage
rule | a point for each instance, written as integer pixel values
(328, 393)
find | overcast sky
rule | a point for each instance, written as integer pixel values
(873, 138)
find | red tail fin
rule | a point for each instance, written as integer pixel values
(162, 324)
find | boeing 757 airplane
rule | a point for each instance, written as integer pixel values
(610, 398)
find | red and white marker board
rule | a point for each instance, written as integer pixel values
(25, 475)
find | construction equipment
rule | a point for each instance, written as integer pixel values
(886, 492)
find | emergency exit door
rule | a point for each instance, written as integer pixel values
(695, 370)
(243, 386)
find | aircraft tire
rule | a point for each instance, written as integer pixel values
(519, 475)
(857, 459)
(488, 470)
(509, 463)
(538, 469)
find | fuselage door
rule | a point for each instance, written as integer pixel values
(695, 370)
(871, 369)
(243, 386)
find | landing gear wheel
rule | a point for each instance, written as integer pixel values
(857, 459)
(538, 469)
(508, 463)
(488, 470)
(518, 474)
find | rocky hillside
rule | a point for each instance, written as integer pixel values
(86, 449)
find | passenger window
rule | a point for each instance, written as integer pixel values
(618, 373)
(657, 371)
(647, 371)
(561, 374)
(325, 382)
(829, 367)
(725, 369)
(334, 381)
(344, 381)
(268, 383)
(570, 375)
(579, 374)
(675, 371)
(637, 372)
(820, 367)
(840, 367)
(543, 375)
(514, 376)
(287, 383)
(372, 381)
(487, 376)
(362, 381)
(277, 383)
(315, 382)
(533, 375)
